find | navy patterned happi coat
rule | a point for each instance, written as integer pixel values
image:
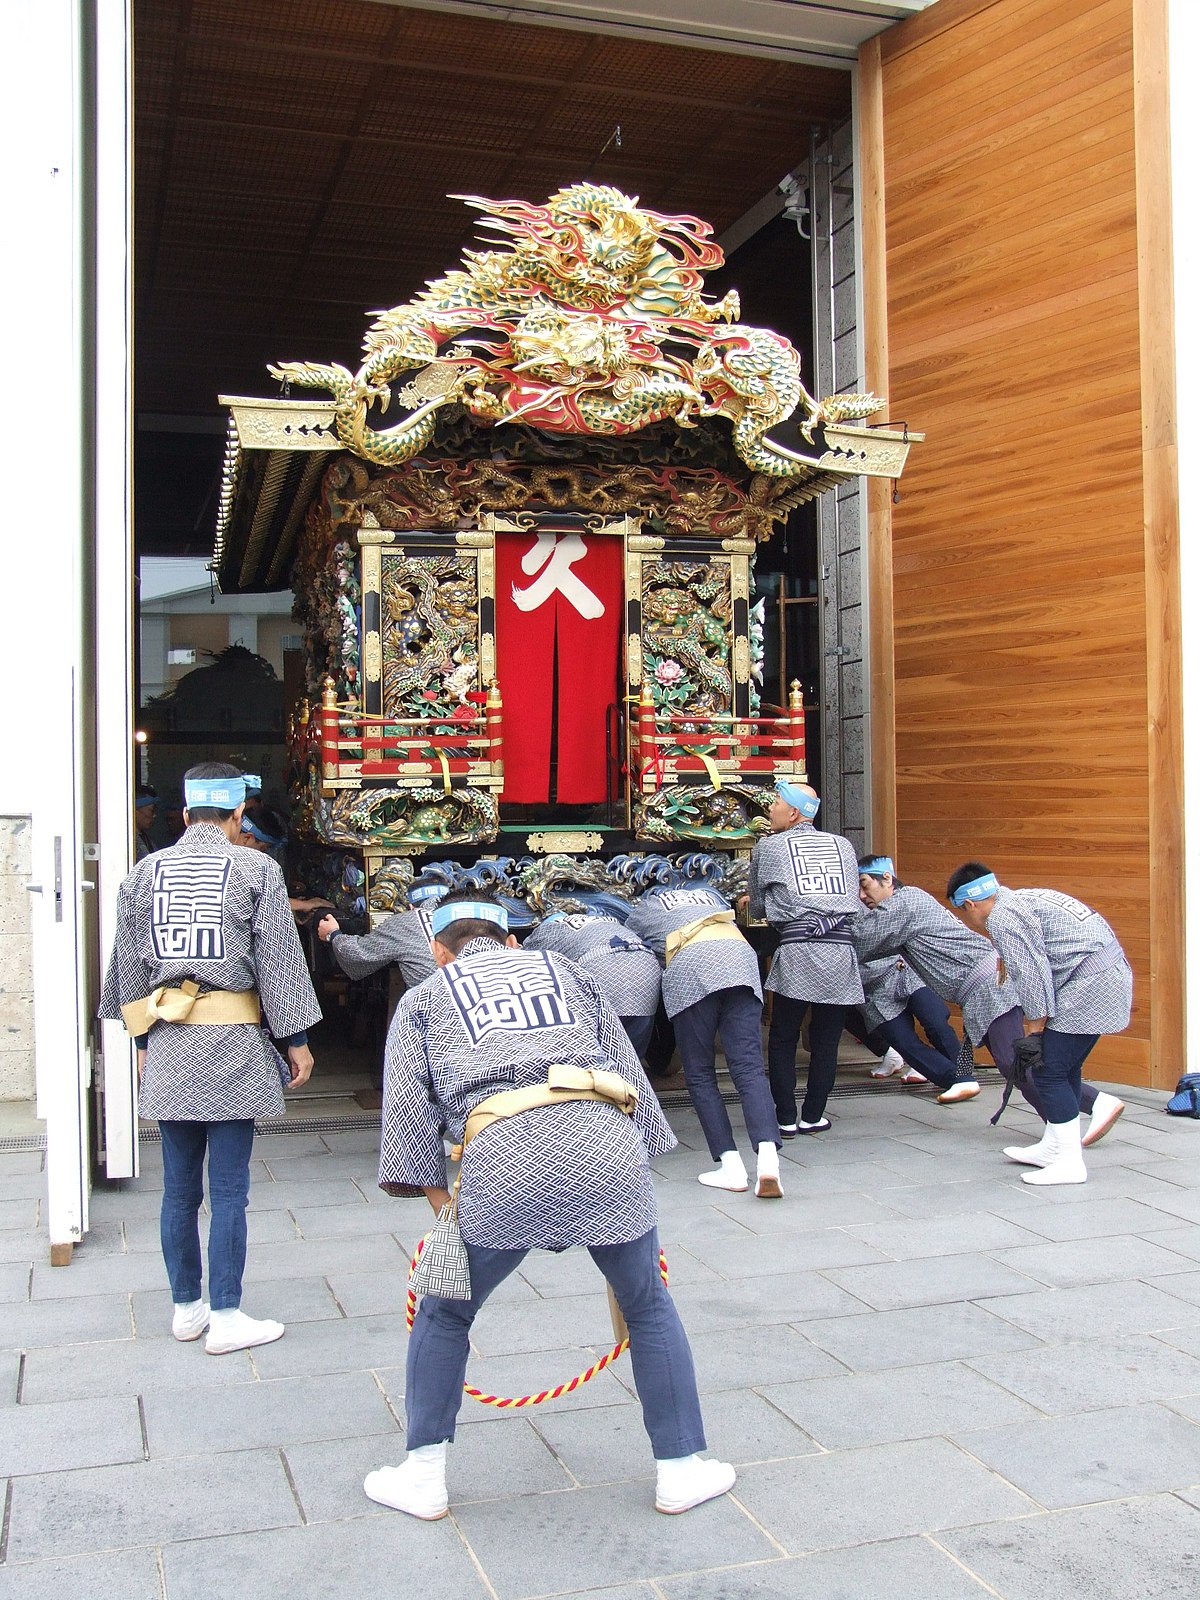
(551, 1177)
(217, 913)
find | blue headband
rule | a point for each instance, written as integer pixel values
(468, 911)
(806, 804)
(426, 891)
(258, 833)
(225, 794)
(978, 889)
(876, 866)
(142, 798)
(252, 781)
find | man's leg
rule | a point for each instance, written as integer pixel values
(740, 1026)
(664, 1374)
(183, 1145)
(1001, 1040)
(437, 1366)
(1058, 1082)
(640, 1030)
(696, 1036)
(825, 1026)
(439, 1345)
(229, 1148)
(932, 1012)
(787, 1018)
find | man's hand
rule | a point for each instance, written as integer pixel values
(300, 1059)
(437, 1199)
(1035, 1025)
(742, 903)
(327, 927)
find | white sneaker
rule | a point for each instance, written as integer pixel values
(417, 1486)
(1103, 1114)
(891, 1062)
(731, 1174)
(1067, 1166)
(689, 1481)
(767, 1184)
(234, 1330)
(1040, 1154)
(190, 1320)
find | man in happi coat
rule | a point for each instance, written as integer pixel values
(895, 1007)
(803, 881)
(1074, 984)
(206, 950)
(888, 985)
(402, 940)
(516, 1055)
(623, 965)
(711, 987)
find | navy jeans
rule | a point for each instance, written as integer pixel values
(825, 1025)
(1060, 1077)
(736, 1014)
(183, 1146)
(658, 1347)
(938, 1060)
(1001, 1038)
(640, 1030)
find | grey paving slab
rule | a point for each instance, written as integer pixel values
(16, 1162)
(905, 1403)
(26, 1325)
(1177, 1203)
(1183, 1285)
(530, 1374)
(1094, 1310)
(930, 1281)
(1086, 1218)
(21, 1213)
(113, 1274)
(23, 1249)
(760, 1258)
(1062, 1379)
(885, 1491)
(131, 1366)
(799, 1213)
(607, 1447)
(29, 1182)
(737, 1358)
(796, 1297)
(10, 1372)
(364, 1559)
(1095, 1455)
(602, 1536)
(1186, 1339)
(1073, 1262)
(286, 1299)
(925, 1201)
(147, 1502)
(336, 1405)
(356, 1220)
(501, 1330)
(1143, 1547)
(14, 1282)
(354, 1141)
(270, 1147)
(483, 1463)
(120, 1202)
(69, 1433)
(106, 1237)
(896, 1569)
(285, 1193)
(910, 1338)
(305, 1169)
(353, 1344)
(942, 1236)
(131, 1574)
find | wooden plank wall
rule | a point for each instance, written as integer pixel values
(1018, 569)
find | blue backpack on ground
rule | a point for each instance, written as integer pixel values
(1185, 1102)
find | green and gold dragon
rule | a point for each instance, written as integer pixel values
(592, 321)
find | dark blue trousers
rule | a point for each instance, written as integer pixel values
(183, 1148)
(735, 1014)
(938, 1060)
(1059, 1080)
(825, 1026)
(1001, 1039)
(640, 1031)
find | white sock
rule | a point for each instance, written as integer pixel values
(224, 1321)
(188, 1308)
(729, 1174)
(768, 1160)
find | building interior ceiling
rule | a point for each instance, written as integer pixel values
(292, 162)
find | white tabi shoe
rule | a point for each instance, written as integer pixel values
(417, 1486)
(1067, 1166)
(190, 1320)
(767, 1185)
(234, 1330)
(689, 1481)
(731, 1174)
(891, 1063)
(1040, 1154)
(965, 1089)
(1103, 1114)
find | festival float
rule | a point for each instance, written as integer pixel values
(532, 646)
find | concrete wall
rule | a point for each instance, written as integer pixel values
(16, 961)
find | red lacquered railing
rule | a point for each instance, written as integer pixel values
(719, 744)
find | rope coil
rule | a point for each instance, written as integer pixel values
(515, 1402)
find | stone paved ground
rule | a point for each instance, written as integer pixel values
(936, 1384)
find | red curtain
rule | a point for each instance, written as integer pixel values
(559, 601)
